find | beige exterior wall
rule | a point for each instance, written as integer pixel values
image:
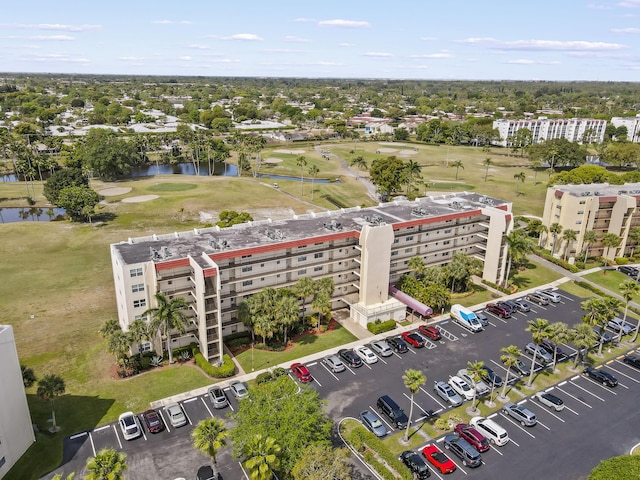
(16, 429)
(374, 268)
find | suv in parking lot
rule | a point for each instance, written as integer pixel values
(416, 341)
(381, 347)
(538, 298)
(334, 364)
(491, 430)
(550, 295)
(388, 407)
(217, 397)
(550, 400)
(628, 270)
(350, 357)
(600, 376)
(480, 387)
(498, 310)
(521, 305)
(176, 415)
(463, 450)
(447, 393)
(522, 414)
(416, 464)
(397, 344)
(491, 377)
(540, 353)
(473, 436)
(509, 306)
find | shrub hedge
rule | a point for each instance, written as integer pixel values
(379, 326)
(226, 370)
(557, 261)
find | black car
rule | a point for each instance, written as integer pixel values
(397, 344)
(549, 346)
(600, 376)
(206, 473)
(627, 270)
(350, 357)
(632, 360)
(521, 368)
(509, 305)
(491, 377)
(416, 464)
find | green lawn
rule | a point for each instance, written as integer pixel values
(571, 287)
(611, 280)
(479, 295)
(533, 275)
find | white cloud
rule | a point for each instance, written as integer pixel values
(52, 26)
(131, 59)
(433, 55)
(545, 45)
(54, 58)
(292, 39)
(185, 57)
(527, 61)
(378, 54)
(326, 64)
(172, 22)
(198, 46)
(281, 50)
(304, 20)
(245, 37)
(626, 30)
(598, 6)
(48, 38)
(630, 4)
(346, 44)
(338, 22)
(163, 22)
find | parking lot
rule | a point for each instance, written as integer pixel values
(598, 422)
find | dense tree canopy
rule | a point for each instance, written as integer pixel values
(388, 174)
(231, 217)
(558, 152)
(625, 467)
(105, 154)
(78, 201)
(67, 177)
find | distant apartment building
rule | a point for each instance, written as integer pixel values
(632, 124)
(16, 429)
(363, 250)
(579, 130)
(600, 207)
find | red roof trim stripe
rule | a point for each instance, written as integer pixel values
(181, 262)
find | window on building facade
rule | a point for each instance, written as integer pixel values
(448, 230)
(302, 258)
(318, 255)
(140, 303)
(394, 253)
(139, 317)
(138, 287)
(247, 283)
(409, 238)
(145, 347)
(317, 269)
(136, 272)
(408, 250)
(302, 272)
(247, 269)
(246, 256)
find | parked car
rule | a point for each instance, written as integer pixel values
(491, 430)
(334, 364)
(373, 423)
(616, 324)
(498, 310)
(552, 296)
(549, 346)
(350, 357)
(381, 347)
(600, 376)
(491, 377)
(522, 414)
(603, 337)
(481, 387)
(413, 339)
(535, 297)
(628, 270)
(130, 425)
(539, 352)
(388, 407)
(522, 305)
(482, 318)
(550, 400)
(632, 360)
(365, 354)
(473, 436)
(153, 421)
(238, 389)
(461, 387)
(176, 415)
(438, 459)
(430, 331)
(508, 305)
(217, 397)
(521, 368)
(447, 393)
(469, 456)
(205, 472)
(416, 464)
(397, 344)
(301, 372)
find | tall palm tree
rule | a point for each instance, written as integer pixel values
(119, 343)
(598, 313)
(634, 236)
(519, 177)
(583, 337)
(286, 312)
(168, 316)
(322, 304)
(262, 457)
(539, 329)
(359, 162)
(109, 327)
(28, 376)
(107, 465)
(417, 266)
(610, 240)
(590, 237)
(569, 236)
(518, 245)
(413, 380)
(139, 331)
(209, 436)
(509, 356)
(628, 289)
(51, 387)
(412, 171)
(301, 161)
(475, 370)
(313, 173)
(459, 165)
(555, 229)
(304, 288)
(559, 333)
(487, 163)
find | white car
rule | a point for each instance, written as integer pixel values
(176, 414)
(461, 387)
(617, 324)
(130, 425)
(481, 387)
(366, 354)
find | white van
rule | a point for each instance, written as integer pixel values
(491, 430)
(466, 318)
(549, 294)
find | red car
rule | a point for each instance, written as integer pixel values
(472, 436)
(153, 421)
(430, 331)
(301, 372)
(498, 310)
(438, 459)
(413, 339)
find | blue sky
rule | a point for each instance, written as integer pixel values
(418, 39)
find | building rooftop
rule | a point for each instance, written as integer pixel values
(193, 243)
(600, 189)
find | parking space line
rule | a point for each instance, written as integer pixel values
(101, 428)
(433, 469)
(115, 430)
(185, 414)
(548, 410)
(164, 421)
(243, 472)
(446, 334)
(397, 354)
(497, 450)
(457, 466)
(312, 364)
(496, 317)
(517, 425)
(570, 348)
(590, 393)
(575, 398)
(141, 427)
(433, 398)
(511, 440)
(330, 372)
(189, 400)
(542, 424)
(78, 435)
(381, 359)
(412, 351)
(316, 380)
(93, 447)
(493, 325)
(381, 417)
(624, 374)
(416, 404)
(207, 406)
(566, 298)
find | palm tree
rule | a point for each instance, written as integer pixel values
(628, 289)
(610, 240)
(301, 161)
(569, 236)
(168, 316)
(51, 387)
(262, 457)
(634, 236)
(518, 245)
(555, 229)
(321, 303)
(459, 165)
(313, 172)
(583, 337)
(359, 162)
(487, 163)
(209, 436)
(590, 237)
(304, 288)
(598, 313)
(509, 357)
(535, 165)
(412, 171)
(475, 370)
(559, 333)
(28, 376)
(107, 465)
(286, 311)
(139, 331)
(413, 380)
(109, 327)
(417, 266)
(119, 343)
(539, 329)
(519, 177)
(60, 476)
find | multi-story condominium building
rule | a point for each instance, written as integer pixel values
(580, 130)
(362, 249)
(16, 428)
(600, 207)
(632, 124)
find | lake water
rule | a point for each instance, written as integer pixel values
(32, 214)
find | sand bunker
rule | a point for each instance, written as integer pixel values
(114, 191)
(393, 143)
(408, 152)
(295, 151)
(386, 150)
(272, 160)
(141, 198)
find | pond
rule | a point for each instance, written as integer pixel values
(298, 179)
(220, 169)
(30, 214)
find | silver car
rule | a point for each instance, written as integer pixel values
(481, 387)
(447, 393)
(334, 364)
(373, 423)
(217, 397)
(381, 347)
(522, 414)
(239, 390)
(176, 415)
(541, 354)
(617, 324)
(550, 400)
